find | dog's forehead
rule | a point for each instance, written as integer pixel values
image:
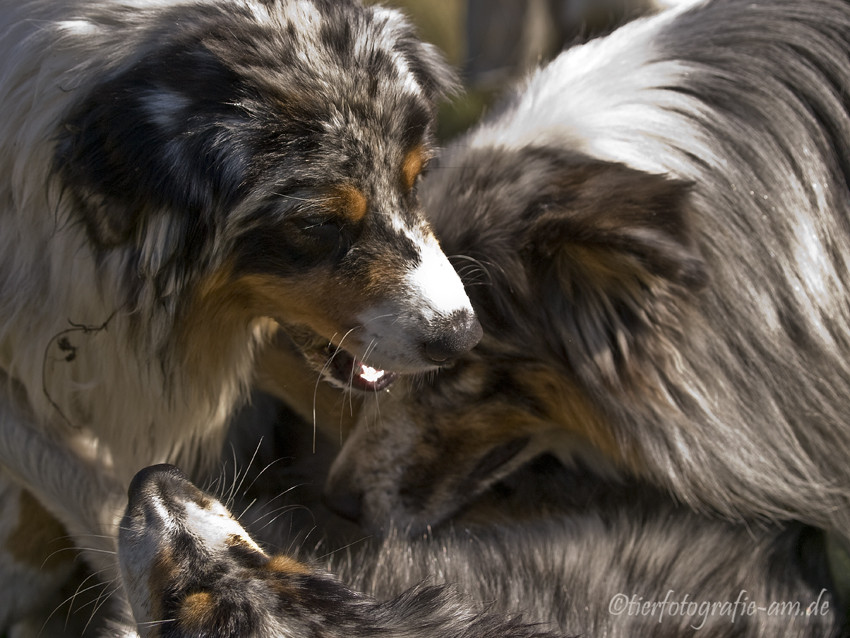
(358, 58)
(321, 65)
(369, 43)
(361, 113)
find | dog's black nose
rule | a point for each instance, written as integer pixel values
(454, 336)
(344, 501)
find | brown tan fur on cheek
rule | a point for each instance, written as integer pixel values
(471, 433)
(229, 298)
(228, 304)
(197, 612)
(452, 443)
(488, 426)
(571, 409)
(162, 573)
(315, 300)
(281, 569)
(284, 564)
(218, 307)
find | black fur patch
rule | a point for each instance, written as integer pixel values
(118, 161)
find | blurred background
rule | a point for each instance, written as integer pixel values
(493, 42)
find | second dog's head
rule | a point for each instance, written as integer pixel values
(262, 159)
(579, 269)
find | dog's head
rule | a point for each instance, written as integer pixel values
(190, 569)
(262, 159)
(581, 272)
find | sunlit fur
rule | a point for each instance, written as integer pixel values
(173, 176)
(193, 571)
(655, 231)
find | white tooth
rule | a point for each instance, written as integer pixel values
(370, 374)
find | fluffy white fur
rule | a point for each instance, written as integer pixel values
(51, 287)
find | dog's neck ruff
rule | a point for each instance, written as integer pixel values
(163, 402)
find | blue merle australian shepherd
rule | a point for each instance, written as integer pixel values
(178, 178)
(596, 567)
(655, 230)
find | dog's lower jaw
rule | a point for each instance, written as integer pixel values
(361, 369)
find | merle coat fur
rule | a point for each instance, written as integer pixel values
(591, 568)
(655, 230)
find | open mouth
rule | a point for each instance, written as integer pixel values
(336, 366)
(345, 370)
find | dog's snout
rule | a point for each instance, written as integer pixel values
(344, 501)
(458, 334)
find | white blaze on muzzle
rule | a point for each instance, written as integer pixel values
(435, 286)
(431, 321)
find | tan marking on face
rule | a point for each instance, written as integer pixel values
(246, 542)
(568, 406)
(471, 427)
(226, 305)
(197, 611)
(38, 539)
(348, 202)
(475, 431)
(385, 273)
(163, 569)
(287, 565)
(314, 300)
(411, 166)
(440, 469)
(219, 309)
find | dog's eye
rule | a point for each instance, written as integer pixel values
(325, 235)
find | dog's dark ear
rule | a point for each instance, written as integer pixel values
(614, 255)
(157, 136)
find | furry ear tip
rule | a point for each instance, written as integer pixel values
(442, 80)
(432, 71)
